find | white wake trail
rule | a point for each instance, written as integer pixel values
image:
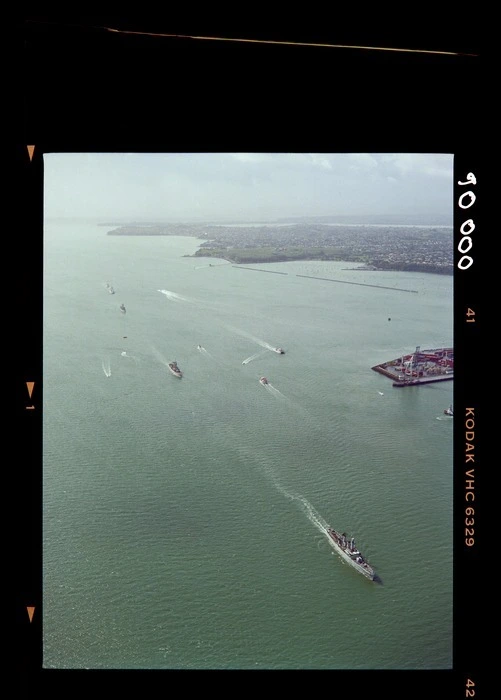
(253, 357)
(106, 367)
(275, 392)
(202, 350)
(311, 513)
(249, 336)
(172, 296)
(159, 356)
(131, 357)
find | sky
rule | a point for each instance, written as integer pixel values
(239, 187)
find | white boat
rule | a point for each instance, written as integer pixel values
(280, 351)
(449, 411)
(263, 381)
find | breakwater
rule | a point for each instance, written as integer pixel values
(359, 284)
(257, 269)
(328, 279)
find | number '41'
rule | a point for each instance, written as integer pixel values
(471, 313)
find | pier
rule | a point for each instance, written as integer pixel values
(420, 367)
(416, 382)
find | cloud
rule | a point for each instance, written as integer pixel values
(362, 161)
(244, 185)
(431, 165)
(317, 160)
(251, 157)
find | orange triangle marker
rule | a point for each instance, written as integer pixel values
(30, 386)
(30, 151)
(30, 612)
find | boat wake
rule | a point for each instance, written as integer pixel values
(274, 391)
(131, 357)
(172, 296)
(253, 357)
(313, 515)
(106, 367)
(204, 351)
(294, 405)
(249, 336)
(160, 357)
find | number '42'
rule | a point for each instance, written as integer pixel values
(470, 693)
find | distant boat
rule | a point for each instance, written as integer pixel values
(263, 381)
(279, 350)
(347, 549)
(449, 411)
(175, 369)
(380, 393)
(122, 308)
(111, 290)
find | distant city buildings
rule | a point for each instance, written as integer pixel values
(408, 248)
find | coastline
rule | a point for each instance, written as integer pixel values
(370, 248)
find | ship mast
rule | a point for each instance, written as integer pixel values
(414, 360)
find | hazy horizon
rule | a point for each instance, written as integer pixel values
(249, 187)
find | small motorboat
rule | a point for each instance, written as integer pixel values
(175, 369)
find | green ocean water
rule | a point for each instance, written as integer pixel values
(184, 519)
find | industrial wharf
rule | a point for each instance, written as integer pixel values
(419, 367)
